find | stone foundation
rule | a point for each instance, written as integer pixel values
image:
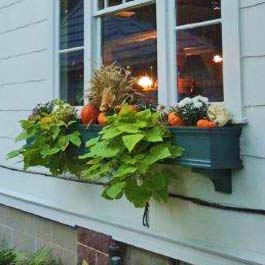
(28, 232)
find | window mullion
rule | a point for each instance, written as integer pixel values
(166, 52)
(199, 24)
(89, 28)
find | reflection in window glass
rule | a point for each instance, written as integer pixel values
(72, 78)
(193, 11)
(130, 39)
(200, 62)
(115, 2)
(71, 23)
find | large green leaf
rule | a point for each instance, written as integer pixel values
(124, 170)
(111, 133)
(75, 138)
(13, 154)
(115, 190)
(153, 135)
(130, 141)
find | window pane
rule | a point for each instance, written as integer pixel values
(192, 11)
(100, 4)
(199, 61)
(130, 39)
(115, 2)
(71, 23)
(72, 77)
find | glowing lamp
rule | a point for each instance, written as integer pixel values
(145, 82)
(217, 58)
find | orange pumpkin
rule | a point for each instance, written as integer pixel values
(89, 114)
(175, 120)
(206, 124)
(102, 119)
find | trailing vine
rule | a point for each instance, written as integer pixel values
(129, 151)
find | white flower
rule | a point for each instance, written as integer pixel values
(219, 115)
(198, 105)
(184, 102)
(200, 99)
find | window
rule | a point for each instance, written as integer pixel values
(199, 49)
(176, 48)
(72, 51)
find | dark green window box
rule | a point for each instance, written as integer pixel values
(214, 152)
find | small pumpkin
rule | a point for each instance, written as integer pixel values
(175, 120)
(206, 124)
(89, 114)
(102, 118)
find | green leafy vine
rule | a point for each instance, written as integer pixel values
(129, 152)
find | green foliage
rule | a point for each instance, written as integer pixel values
(7, 257)
(40, 257)
(52, 139)
(129, 151)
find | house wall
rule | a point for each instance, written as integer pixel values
(181, 230)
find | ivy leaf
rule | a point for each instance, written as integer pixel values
(13, 154)
(129, 128)
(124, 170)
(130, 141)
(115, 190)
(153, 135)
(50, 151)
(92, 141)
(138, 195)
(144, 115)
(111, 133)
(75, 138)
(176, 151)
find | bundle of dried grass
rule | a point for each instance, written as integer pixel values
(111, 86)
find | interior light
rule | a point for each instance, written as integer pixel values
(217, 58)
(145, 82)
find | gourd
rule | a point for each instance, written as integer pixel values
(175, 120)
(89, 114)
(206, 124)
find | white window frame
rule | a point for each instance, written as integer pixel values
(166, 49)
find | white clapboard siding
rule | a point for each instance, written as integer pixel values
(16, 16)
(10, 126)
(253, 141)
(31, 38)
(253, 79)
(30, 67)
(252, 30)
(7, 3)
(249, 3)
(39, 92)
